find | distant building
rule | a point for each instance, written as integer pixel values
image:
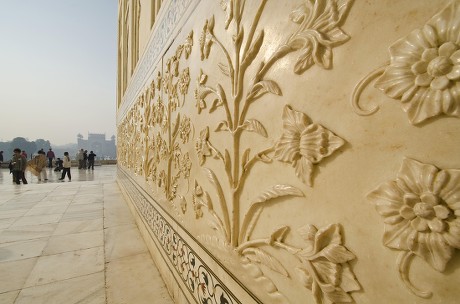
(104, 149)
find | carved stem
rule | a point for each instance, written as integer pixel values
(260, 242)
(253, 29)
(250, 163)
(229, 60)
(404, 260)
(362, 84)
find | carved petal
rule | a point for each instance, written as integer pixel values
(303, 170)
(293, 120)
(417, 177)
(399, 236)
(433, 249)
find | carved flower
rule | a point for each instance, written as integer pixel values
(184, 129)
(425, 68)
(421, 209)
(202, 146)
(184, 81)
(318, 32)
(201, 92)
(197, 200)
(227, 6)
(304, 144)
(162, 179)
(185, 165)
(188, 45)
(159, 80)
(206, 38)
(325, 269)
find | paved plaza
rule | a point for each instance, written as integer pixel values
(73, 242)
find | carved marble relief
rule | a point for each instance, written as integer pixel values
(323, 262)
(154, 131)
(424, 70)
(420, 210)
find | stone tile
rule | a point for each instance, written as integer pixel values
(20, 233)
(66, 265)
(21, 250)
(122, 241)
(8, 297)
(73, 208)
(118, 216)
(14, 274)
(135, 279)
(5, 214)
(37, 220)
(46, 210)
(72, 242)
(88, 289)
(78, 226)
(82, 215)
(7, 222)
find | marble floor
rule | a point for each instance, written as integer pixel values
(73, 242)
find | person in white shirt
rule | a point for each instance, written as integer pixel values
(66, 167)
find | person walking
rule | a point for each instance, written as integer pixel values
(19, 164)
(91, 157)
(66, 163)
(50, 155)
(85, 158)
(80, 159)
(37, 165)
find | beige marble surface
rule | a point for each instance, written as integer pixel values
(73, 242)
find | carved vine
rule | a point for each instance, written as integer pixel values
(323, 261)
(424, 70)
(420, 209)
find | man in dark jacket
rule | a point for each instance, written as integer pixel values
(19, 164)
(91, 157)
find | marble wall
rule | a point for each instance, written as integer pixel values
(300, 151)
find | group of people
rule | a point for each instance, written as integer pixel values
(85, 160)
(19, 164)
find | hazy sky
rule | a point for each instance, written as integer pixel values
(57, 69)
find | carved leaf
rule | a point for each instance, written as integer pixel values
(254, 125)
(258, 255)
(279, 234)
(250, 219)
(277, 191)
(227, 161)
(245, 158)
(224, 69)
(215, 104)
(222, 126)
(254, 49)
(176, 125)
(264, 158)
(263, 87)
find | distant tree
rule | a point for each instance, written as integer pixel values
(23, 144)
(43, 144)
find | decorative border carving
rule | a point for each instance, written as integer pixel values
(201, 282)
(166, 25)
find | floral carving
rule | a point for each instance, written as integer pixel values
(161, 156)
(421, 209)
(318, 32)
(304, 144)
(424, 70)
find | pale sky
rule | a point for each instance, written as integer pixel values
(57, 69)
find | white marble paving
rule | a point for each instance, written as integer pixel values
(74, 242)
